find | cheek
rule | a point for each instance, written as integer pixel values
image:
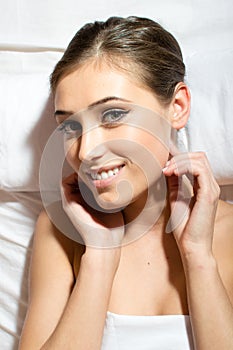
(156, 147)
(160, 151)
(71, 148)
(152, 157)
(145, 155)
(143, 146)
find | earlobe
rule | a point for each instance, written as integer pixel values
(180, 106)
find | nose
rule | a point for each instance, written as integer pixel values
(91, 145)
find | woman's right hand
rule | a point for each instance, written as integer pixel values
(97, 228)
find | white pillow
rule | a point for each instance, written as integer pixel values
(26, 116)
(53, 23)
(210, 128)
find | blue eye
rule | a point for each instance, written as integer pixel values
(69, 127)
(113, 116)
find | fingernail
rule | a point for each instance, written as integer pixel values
(164, 169)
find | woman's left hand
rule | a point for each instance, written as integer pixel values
(192, 217)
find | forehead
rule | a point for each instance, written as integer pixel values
(92, 82)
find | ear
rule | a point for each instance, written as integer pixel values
(180, 106)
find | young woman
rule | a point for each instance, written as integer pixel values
(131, 285)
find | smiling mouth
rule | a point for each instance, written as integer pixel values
(106, 173)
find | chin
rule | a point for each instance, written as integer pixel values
(111, 203)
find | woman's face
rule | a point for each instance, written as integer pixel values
(113, 140)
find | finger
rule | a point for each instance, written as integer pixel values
(204, 185)
(192, 164)
(183, 160)
(70, 180)
(70, 191)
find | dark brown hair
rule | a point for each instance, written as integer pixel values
(137, 45)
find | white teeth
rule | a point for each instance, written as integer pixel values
(110, 173)
(104, 175)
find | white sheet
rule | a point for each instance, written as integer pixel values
(18, 212)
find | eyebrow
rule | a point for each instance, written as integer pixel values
(60, 112)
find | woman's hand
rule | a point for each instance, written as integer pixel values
(97, 228)
(192, 216)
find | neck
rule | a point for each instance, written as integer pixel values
(150, 212)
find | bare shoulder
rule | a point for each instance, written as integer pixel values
(223, 233)
(52, 254)
(223, 243)
(224, 219)
(51, 281)
(47, 231)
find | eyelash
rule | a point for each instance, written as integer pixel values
(70, 127)
(118, 115)
(66, 127)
